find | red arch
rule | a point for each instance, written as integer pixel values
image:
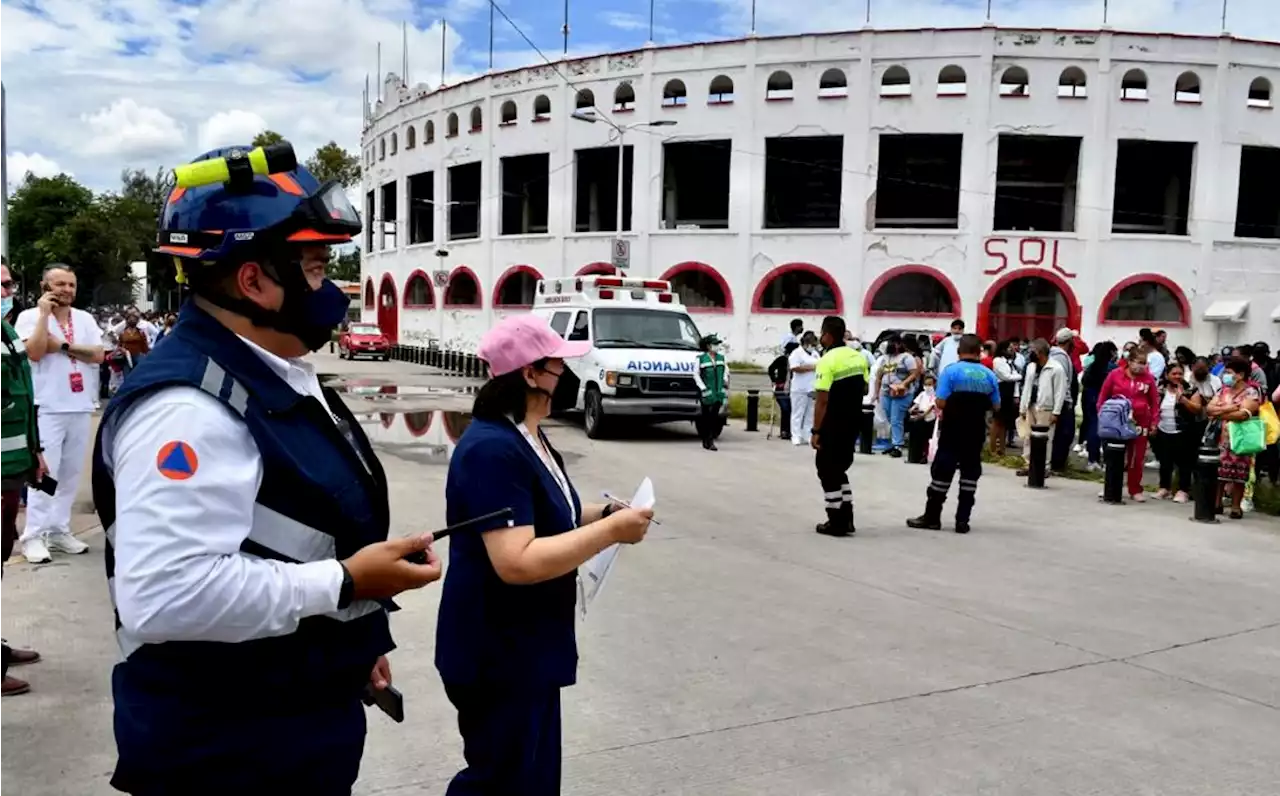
(431, 291)
(389, 316)
(693, 265)
(415, 430)
(787, 268)
(597, 269)
(904, 270)
(462, 269)
(370, 295)
(451, 423)
(984, 308)
(507, 274)
(1184, 306)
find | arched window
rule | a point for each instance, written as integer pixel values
(1133, 86)
(429, 132)
(1187, 88)
(1146, 298)
(382, 148)
(418, 423)
(833, 84)
(1260, 93)
(720, 92)
(912, 290)
(410, 137)
(952, 82)
(463, 289)
(584, 99)
(368, 293)
(779, 87)
(1015, 82)
(597, 269)
(451, 125)
(477, 120)
(624, 97)
(895, 82)
(418, 293)
(508, 112)
(541, 108)
(797, 287)
(1072, 83)
(516, 288)
(700, 287)
(674, 94)
(395, 143)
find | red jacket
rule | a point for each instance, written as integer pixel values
(1141, 392)
(1078, 349)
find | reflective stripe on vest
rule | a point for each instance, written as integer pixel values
(217, 383)
(17, 442)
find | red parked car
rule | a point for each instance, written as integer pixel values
(364, 340)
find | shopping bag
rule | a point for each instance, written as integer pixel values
(1247, 436)
(1267, 414)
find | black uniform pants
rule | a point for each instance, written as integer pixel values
(708, 422)
(833, 461)
(948, 459)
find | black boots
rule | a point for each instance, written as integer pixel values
(839, 522)
(926, 521)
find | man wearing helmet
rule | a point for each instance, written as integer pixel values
(246, 514)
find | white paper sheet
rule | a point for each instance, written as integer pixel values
(593, 574)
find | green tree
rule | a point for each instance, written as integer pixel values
(38, 208)
(267, 137)
(332, 162)
(346, 266)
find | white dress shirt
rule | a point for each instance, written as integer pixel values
(179, 572)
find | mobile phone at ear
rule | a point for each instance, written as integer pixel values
(389, 700)
(47, 485)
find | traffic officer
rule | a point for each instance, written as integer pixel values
(966, 391)
(246, 514)
(839, 386)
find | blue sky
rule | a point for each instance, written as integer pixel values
(94, 86)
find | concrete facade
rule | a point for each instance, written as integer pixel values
(1088, 266)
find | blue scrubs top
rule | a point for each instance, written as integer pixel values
(489, 631)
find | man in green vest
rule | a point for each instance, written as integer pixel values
(712, 377)
(20, 452)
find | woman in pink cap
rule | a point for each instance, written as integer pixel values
(505, 642)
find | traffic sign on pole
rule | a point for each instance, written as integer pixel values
(621, 253)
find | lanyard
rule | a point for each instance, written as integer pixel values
(69, 334)
(549, 462)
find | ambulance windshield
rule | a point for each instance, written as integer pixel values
(637, 328)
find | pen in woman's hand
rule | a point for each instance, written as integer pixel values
(623, 504)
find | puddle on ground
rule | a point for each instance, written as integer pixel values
(423, 437)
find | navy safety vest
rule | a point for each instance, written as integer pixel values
(184, 704)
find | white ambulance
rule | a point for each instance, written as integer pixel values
(644, 348)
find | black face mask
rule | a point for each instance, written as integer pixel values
(565, 395)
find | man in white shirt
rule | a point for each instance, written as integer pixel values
(65, 348)
(797, 328)
(947, 351)
(803, 363)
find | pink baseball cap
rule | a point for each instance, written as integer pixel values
(520, 340)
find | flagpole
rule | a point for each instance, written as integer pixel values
(491, 3)
(753, 17)
(1224, 15)
(565, 29)
(1104, 12)
(378, 73)
(651, 18)
(444, 28)
(868, 13)
(404, 51)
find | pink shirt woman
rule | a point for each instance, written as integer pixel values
(1133, 381)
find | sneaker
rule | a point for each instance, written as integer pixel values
(1181, 497)
(895, 453)
(925, 523)
(63, 542)
(1093, 467)
(1079, 449)
(1140, 497)
(1246, 505)
(13, 686)
(1163, 494)
(35, 552)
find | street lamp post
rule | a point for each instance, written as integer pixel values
(588, 115)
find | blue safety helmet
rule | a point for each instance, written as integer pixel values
(208, 222)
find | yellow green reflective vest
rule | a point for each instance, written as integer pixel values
(712, 369)
(19, 437)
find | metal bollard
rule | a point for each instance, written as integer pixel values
(330, 346)
(1037, 456)
(866, 429)
(1113, 475)
(451, 361)
(753, 410)
(433, 357)
(1205, 488)
(917, 442)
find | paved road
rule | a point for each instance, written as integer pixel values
(1062, 648)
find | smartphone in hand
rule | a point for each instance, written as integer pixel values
(389, 700)
(47, 485)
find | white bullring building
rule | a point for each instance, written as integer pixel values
(1023, 180)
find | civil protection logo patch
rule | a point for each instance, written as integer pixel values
(177, 461)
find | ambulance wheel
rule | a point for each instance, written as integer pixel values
(593, 421)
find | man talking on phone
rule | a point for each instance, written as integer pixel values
(64, 345)
(246, 513)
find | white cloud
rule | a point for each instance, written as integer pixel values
(20, 163)
(228, 128)
(130, 130)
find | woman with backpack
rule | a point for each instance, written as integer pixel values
(1133, 383)
(1238, 400)
(1176, 442)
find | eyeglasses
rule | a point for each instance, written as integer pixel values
(7, 284)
